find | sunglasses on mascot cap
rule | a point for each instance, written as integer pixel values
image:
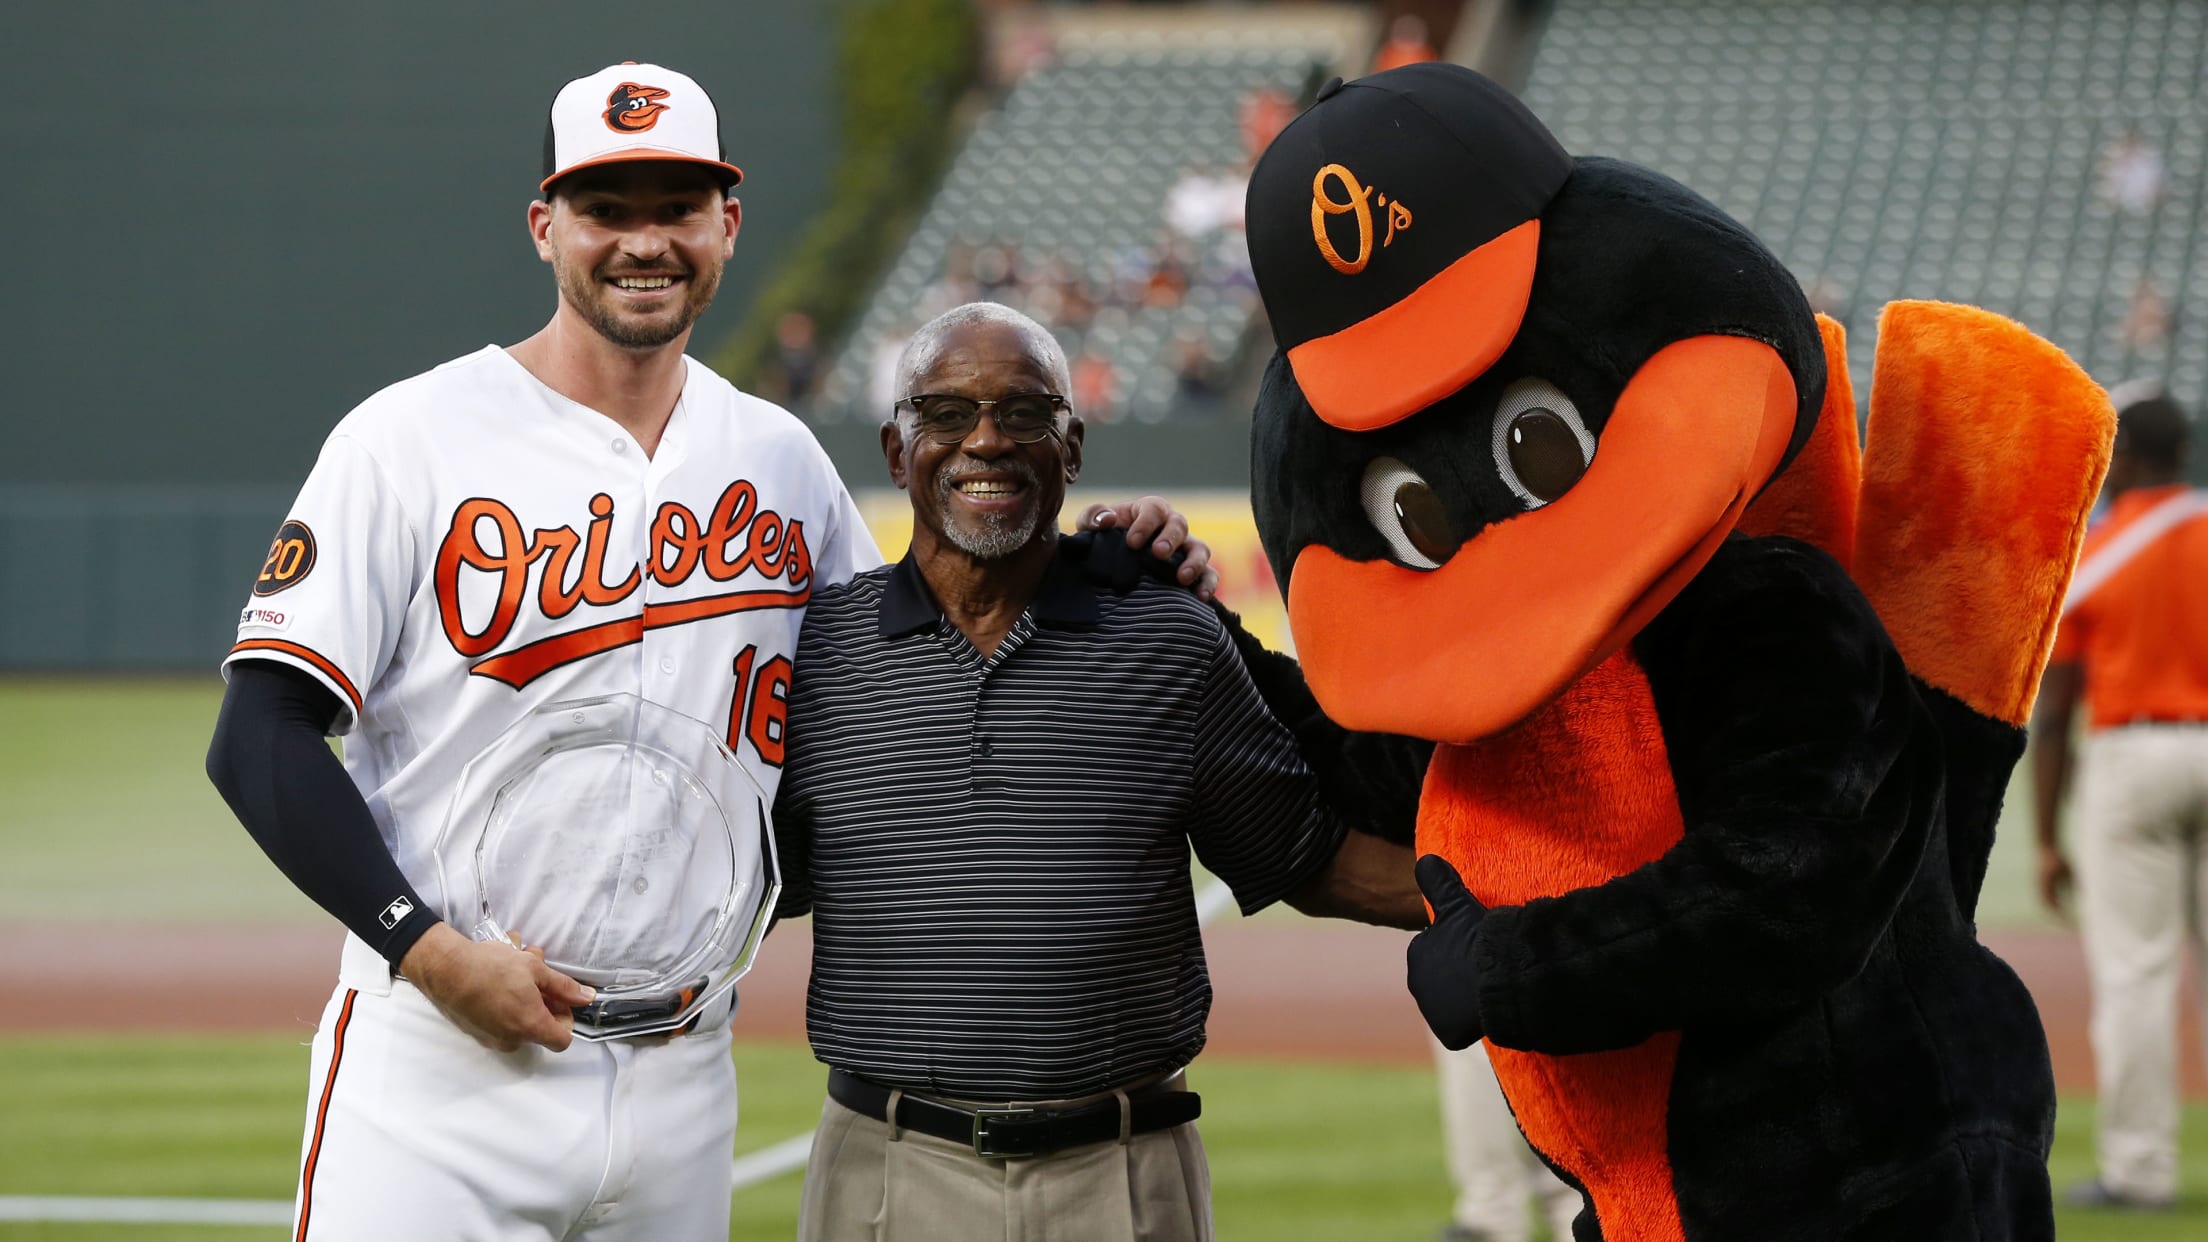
(1024, 417)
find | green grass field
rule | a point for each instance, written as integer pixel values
(105, 814)
(1298, 1153)
(108, 813)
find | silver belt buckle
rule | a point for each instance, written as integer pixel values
(611, 1019)
(985, 1142)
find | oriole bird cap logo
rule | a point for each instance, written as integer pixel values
(1392, 231)
(633, 107)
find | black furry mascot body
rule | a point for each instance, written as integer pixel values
(1550, 473)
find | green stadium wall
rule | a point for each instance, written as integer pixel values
(237, 220)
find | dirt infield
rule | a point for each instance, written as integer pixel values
(1307, 991)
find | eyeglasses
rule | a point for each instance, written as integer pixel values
(1024, 417)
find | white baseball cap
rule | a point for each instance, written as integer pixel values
(633, 112)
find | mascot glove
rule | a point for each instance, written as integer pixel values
(1444, 977)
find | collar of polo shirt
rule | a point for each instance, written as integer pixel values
(1063, 599)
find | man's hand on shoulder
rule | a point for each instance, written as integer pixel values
(1152, 523)
(501, 995)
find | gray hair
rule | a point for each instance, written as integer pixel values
(926, 346)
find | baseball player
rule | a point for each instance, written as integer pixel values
(586, 513)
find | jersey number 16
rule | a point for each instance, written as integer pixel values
(760, 708)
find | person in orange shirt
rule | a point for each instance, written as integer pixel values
(1407, 44)
(2134, 645)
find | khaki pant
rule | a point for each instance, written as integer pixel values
(2143, 885)
(1495, 1173)
(864, 1184)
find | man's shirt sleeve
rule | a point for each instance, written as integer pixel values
(1257, 822)
(331, 595)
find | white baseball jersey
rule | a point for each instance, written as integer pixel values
(471, 545)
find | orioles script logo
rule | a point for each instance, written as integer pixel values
(738, 537)
(1357, 201)
(633, 108)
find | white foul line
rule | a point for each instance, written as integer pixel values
(1213, 900)
(146, 1211)
(749, 1169)
(754, 1167)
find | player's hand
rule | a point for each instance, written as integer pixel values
(501, 995)
(2055, 878)
(1150, 521)
(1444, 978)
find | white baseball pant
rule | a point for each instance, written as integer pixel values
(2142, 833)
(414, 1130)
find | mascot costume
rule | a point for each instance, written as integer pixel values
(1559, 472)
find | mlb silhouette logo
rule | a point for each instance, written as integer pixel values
(394, 912)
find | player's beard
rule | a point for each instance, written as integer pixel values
(988, 536)
(594, 300)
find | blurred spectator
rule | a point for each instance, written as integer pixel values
(1826, 297)
(1195, 376)
(1095, 392)
(1172, 264)
(2132, 176)
(1494, 1172)
(1060, 299)
(2147, 320)
(2133, 645)
(956, 286)
(1227, 267)
(1131, 274)
(881, 371)
(1407, 44)
(796, 355)
(1023, 45)
(1167, 282)
(997, 272)
(1204, 202)
(1264, 113)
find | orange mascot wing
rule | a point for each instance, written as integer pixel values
(1986, 446)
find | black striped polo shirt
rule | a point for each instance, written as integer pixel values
(996, 851)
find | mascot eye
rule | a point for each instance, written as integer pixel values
(1541, 444)
(1408, 514)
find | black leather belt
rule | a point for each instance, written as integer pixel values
(1011, 1132)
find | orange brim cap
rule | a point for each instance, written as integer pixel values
(730, 173)
(1435, 340)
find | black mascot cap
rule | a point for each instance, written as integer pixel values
(1411, 270)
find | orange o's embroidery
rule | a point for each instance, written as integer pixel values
(1324, 205)
(633, 108)
(1360, 201)
(1399, 217)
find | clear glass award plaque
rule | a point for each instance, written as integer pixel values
(624, 840)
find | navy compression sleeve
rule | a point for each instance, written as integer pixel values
(277, 773)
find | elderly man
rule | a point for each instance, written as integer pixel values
(994, 775)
